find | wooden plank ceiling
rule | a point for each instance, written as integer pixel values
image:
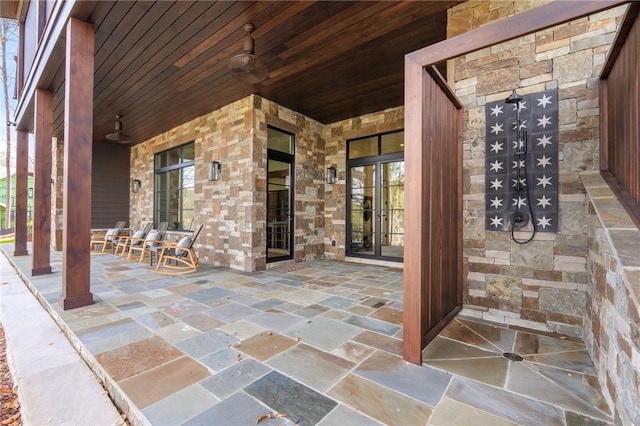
(161, 64)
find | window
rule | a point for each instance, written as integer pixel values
(174, 187)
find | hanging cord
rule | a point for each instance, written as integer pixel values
(521, 156)
(530, 208)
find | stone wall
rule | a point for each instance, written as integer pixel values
(613, 301)
(336, 135)
(233, 209)
(309, 186)
(542, 284)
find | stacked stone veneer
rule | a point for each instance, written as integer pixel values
(336, 155)
(613, 301)
(233, 209)
(542, 284)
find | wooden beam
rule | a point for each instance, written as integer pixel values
(22, 178)
(42, 184)
(524, 23)
(416, 213)
(78, 129)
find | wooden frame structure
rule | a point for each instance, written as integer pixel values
(620, 115)
(430, 250)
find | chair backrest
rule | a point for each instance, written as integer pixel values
(156, 235)
(195, 235)
(115, 231)
(147, 228)
(186, 242)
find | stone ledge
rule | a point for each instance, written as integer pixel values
(621, 232)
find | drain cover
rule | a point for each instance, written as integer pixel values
(512, 357)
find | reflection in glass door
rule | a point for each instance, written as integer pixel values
(278, 209)
(280, 166)
(377, 210)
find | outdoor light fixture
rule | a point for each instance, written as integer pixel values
(332, 175)
(215, 169)
(136, 184)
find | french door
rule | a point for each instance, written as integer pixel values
(280, 179)
(375, 227)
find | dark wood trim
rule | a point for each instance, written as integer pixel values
(22, 179)
(521, 24)
(433, 333)
(619, 111)
(41, 17)
(78, 111)
(604, 124)
(623, 33)
(42, 184)
(415, 210)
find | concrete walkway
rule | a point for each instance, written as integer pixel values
(53, 383)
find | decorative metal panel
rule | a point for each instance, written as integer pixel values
(538, 167)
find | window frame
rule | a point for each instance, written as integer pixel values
(166, 170)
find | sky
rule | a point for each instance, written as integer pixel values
(12, 48)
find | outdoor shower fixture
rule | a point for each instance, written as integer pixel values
(521, 165)
(332, 175)
(136, 184)
(215, 170)
(520, 218)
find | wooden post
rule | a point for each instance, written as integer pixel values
(42, 184)
(78, 131)
(22, 178)
(416, 215)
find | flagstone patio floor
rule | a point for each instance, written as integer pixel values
(319, 342)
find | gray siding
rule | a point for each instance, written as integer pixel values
(109, 185)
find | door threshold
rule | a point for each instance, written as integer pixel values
(376, 262)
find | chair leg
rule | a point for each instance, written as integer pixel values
(131, 250)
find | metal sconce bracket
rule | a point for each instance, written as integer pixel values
(332, 175)
(215, 170)
(136, 184)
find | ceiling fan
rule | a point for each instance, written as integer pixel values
(118, 136)
(247, 66)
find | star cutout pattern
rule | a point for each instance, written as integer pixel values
(496, 147)
(508, 175)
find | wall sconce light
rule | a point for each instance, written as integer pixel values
(332, 175)
(136, 184)
(215, 169)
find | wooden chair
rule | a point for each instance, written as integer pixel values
(106, 238)
(123, 241)
(152, 239)
(181, 254)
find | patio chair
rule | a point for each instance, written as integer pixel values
(152, 239)
(124, 241)
(106, 238)
(181, 254)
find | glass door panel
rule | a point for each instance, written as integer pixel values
(376, 219)
(363, 196)
(392, 210)
(278, 209)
